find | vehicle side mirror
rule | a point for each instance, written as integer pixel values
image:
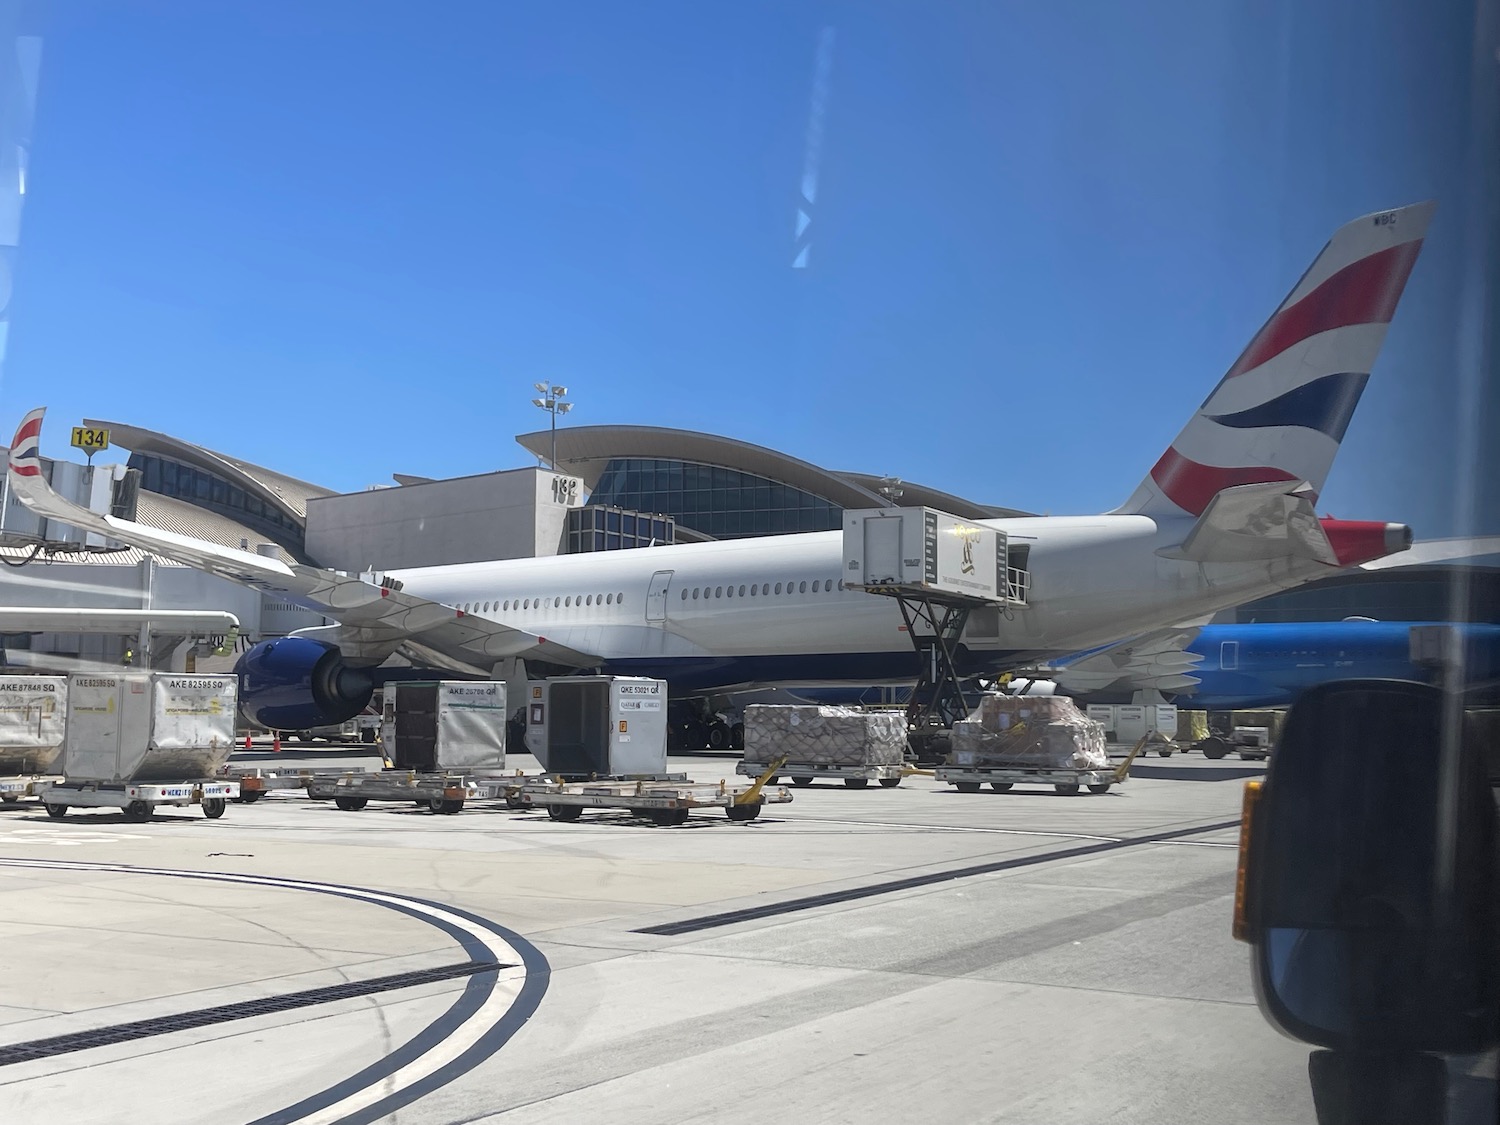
(1369, 884)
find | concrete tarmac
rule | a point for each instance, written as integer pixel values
(875, 955)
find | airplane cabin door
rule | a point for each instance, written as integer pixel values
(1229, 656)
(656, 596)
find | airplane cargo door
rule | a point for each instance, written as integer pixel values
(1229, 656)
(656, 596)
(882, 550)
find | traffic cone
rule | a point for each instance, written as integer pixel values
(276, 742)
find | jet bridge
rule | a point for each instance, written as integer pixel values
(938, 568)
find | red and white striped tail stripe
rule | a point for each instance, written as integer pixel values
(1280, 412)
(25, 456)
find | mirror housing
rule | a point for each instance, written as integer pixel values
(1370, 892)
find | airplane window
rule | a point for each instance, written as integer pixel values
(609, 599)
(828, 585)
(730, 593)
(486, 607)
(742, 591)
(778, 587)
(567, 603)
(620, 598)
(718, 591)
(684, 593)
(816, 584)
(695, 593)
(755, 589)
(802, 588)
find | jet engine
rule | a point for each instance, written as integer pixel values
(297, 683)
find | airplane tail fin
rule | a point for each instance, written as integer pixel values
(25, 455)
(1282, 409)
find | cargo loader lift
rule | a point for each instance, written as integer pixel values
(939, 569)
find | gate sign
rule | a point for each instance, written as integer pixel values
(85, 438)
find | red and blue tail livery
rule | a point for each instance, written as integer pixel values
(1282, 409)
(25, 458)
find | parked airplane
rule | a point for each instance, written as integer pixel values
(1236, 667)
(1225, 515)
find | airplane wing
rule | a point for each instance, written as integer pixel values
(375, 616)
(1157, 660)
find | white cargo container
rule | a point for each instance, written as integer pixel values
(598, 726)
(445, 725)
(924, 551)
(1128, 723)
(148, 726)
(33, 716)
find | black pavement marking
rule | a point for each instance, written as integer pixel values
(812, 902)
(244, 1009)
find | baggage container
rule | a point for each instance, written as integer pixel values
(924, 551)
(445, 725)
(148, 726)
(598, 726)
(33, 717)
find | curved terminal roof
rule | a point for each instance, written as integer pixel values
(585, 451)
(288, 494)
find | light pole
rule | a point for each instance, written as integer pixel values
(890, 488)
(552, 402)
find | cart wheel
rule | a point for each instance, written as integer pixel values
(213, 807)
(10, 798)
(743, 812)
(1069, 787)
(1214, 747)
(737, 736)
(250, 796)
(890, 782)
(56, 812)
(1001, 786)
(802, 781)
(661, 817)
(446, 805)
(681, 816)
(856, 782)
(513, 801)
(968, 787)
(351, 804)
(138, 810)
(1164, 753)
(1102, 787)
(565, 812)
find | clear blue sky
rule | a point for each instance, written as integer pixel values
(343, 238)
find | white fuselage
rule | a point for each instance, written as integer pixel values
(773, 609)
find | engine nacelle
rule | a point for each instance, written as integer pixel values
(297, 683)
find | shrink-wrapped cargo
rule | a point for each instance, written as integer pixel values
(1042, 732)
(824, 736)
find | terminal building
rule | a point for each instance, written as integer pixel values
(610, 488)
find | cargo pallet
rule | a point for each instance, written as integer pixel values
(855, 777)
(12, 789)
(969, 778)
(138, 801)
(664, 803)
